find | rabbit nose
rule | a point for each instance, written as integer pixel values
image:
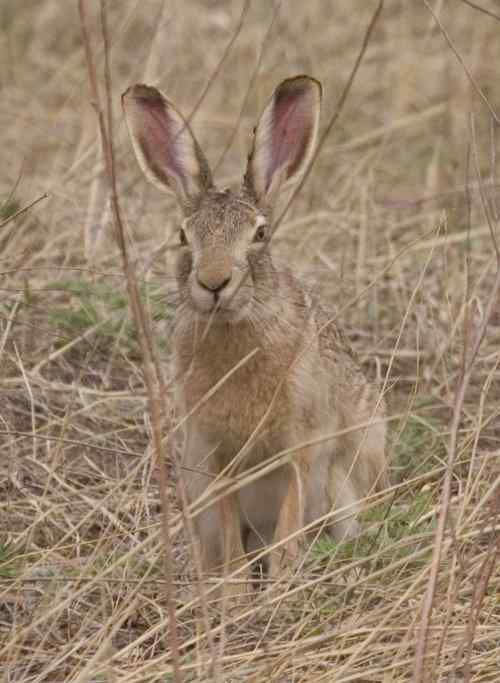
(214, 285)
(214, 271)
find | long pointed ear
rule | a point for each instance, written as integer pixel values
(285, 138)
(165, 146)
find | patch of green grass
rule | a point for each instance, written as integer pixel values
(388, 534)
(390, 528)
(7, 560)
(77, 320)
(136, 567)
(416, 447)
(101, 303)
(8, 208)
(139, 568)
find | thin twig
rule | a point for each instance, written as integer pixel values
(24, 209)
(217, 70)
(141, 321)
(249, 89)
(338, 110)
(481, 584)
(463, 383)
(488, 12)
(462, 63)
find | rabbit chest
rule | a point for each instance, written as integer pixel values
(237, 388)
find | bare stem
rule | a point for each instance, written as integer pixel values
(469, 360)
(338, 110)
(24, 209)
(151, 377)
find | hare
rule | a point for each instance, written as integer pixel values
(264, 373)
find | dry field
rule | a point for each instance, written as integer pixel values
(397, 224)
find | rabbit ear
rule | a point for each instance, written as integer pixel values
(165, 146)
(285, 137)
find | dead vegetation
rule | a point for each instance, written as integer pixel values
(397, 224)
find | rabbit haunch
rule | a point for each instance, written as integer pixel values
(261, 366)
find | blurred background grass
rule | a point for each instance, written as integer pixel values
(394, 201)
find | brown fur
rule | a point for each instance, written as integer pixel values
(300, 382)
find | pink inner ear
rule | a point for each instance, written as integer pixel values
(290, 132)
(158, 140)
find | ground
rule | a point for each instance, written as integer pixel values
(397, 225)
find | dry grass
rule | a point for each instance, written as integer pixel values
(395, 224)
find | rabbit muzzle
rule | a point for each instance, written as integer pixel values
(216, 286)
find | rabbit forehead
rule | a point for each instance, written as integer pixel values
(224, 215)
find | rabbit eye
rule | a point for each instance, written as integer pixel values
(182, 237)
(260, 234)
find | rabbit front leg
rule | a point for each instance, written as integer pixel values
(217, 525)
(290, 521)
(198, 473)
(234, 553)
(218, 539)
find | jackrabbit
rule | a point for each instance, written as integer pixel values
(262, 367)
